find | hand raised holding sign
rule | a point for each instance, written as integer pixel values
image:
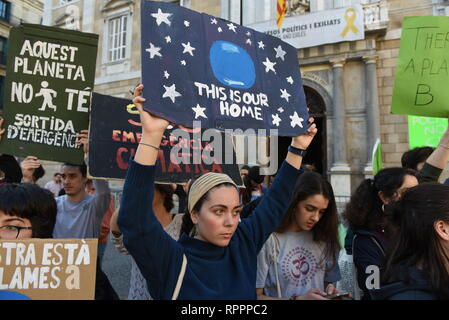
(28, 166)
(300, 144)
(152, 130)
(150, 123)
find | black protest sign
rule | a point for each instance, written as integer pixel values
(185, 153)
(49, 82)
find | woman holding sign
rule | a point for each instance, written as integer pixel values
(218, 259)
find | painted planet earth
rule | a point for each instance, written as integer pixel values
(232, 65)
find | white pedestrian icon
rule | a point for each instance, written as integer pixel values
(48, 95)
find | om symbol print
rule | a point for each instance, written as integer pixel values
(300, 267)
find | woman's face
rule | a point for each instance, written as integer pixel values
(409, 182)
(309, 212)
(10, 227)
(219, 216)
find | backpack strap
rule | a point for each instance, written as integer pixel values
(355, 284)
(180, 278)
(275, 244)
(378, 245)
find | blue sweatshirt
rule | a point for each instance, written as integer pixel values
(212, 272)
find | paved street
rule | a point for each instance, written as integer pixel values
(117, 267)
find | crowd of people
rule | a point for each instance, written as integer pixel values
(278, 240)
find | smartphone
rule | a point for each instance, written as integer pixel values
(339, 296)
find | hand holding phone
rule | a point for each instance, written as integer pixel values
(339, 296)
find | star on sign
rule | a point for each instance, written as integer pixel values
(166, 74)
(170, 92)
(183, 62)
(296, 120)
(154, 51)
(261, 45)
(213, 21)
(280, 53)
(220, 29)
(248, 33)
(285, 95)
(199, 112)
(269, 65)
(281, 110)
(188, 48)
(290, 80)
(276, 119)
(161, 17)
(248, 41)
(167, 39)
(186, 23)
(232, 27)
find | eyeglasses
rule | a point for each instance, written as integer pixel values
(11, 232)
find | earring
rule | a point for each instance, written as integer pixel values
(193, 231)
(383, 207)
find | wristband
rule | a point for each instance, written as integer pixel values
(149, 145)
(297, 151)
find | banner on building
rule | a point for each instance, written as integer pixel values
(196, 67)
(49, 79)
(425, 131)
(318, 28)
(422, 73)
(48, 269)
(185, 153)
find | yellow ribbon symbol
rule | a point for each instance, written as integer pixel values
(350, 15)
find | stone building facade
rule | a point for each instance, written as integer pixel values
(350, 85)
(12, 13)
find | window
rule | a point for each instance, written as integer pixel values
(3, 50)
(5, 8)
(297, 7)
(117, 38)
(2, 91)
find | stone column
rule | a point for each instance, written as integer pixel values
(372, 110)
(46, 19)
(340, 171)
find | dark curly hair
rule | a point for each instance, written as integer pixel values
(167, 191)
(412, 158)
(364, 210)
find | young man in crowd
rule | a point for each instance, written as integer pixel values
(79, 213)
(55, 185)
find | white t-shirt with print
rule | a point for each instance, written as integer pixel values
(300, 265)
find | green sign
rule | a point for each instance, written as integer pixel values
(422, 75)
(425, 131)
(49, 81)
(377, 157)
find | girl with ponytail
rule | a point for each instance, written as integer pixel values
(370, 232)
